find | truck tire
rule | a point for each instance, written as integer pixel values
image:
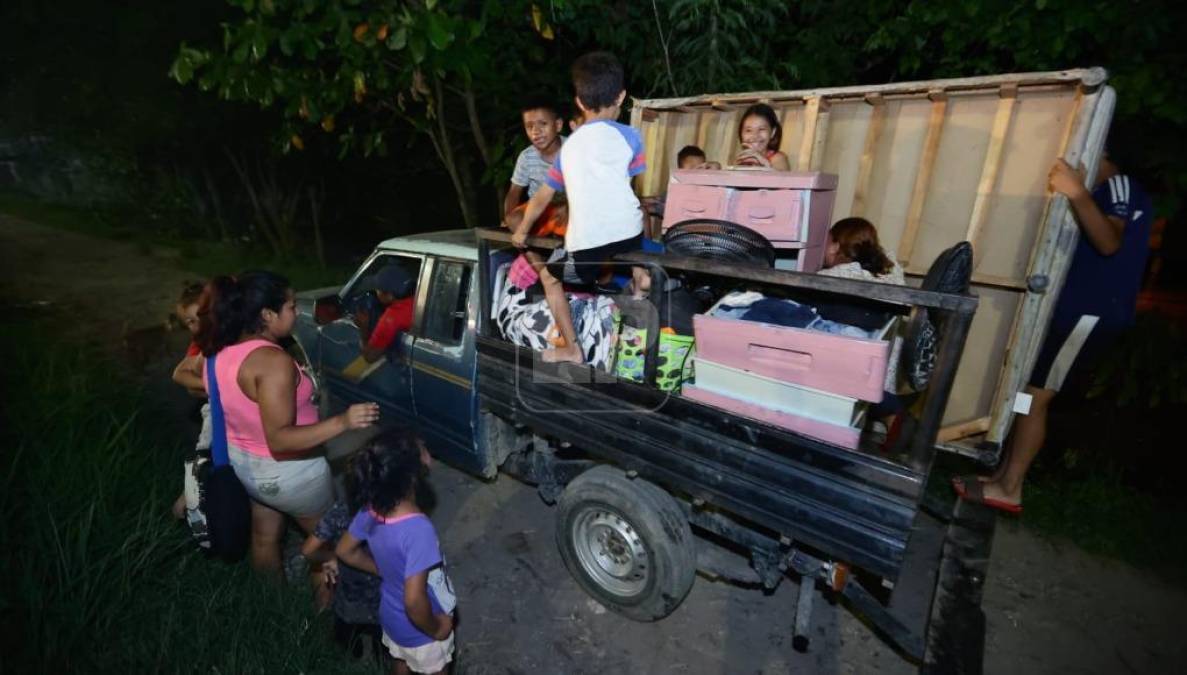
(626, 542)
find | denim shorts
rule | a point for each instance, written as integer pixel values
(299, 487)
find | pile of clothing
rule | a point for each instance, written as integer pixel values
(753, 306)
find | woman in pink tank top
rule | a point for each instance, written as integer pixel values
(273, 431)
(760, 134)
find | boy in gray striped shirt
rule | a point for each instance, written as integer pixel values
(542, 123)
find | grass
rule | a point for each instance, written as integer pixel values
(97, 576)
(195, 254)
(1105, 517)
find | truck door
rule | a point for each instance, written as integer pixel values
(389, 383)
(443, 363)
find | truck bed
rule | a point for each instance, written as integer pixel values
(852, 506)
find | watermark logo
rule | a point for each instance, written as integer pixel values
(623, 331)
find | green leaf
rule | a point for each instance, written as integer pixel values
(399, 39)
(440, 34)
(430, 4)
(417, 47)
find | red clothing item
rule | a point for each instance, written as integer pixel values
(193, 349)
(396, 319)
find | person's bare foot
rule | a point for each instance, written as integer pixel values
(993, 489)
(566, 354)
(179, 507)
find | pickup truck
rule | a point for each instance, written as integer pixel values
(649, 486)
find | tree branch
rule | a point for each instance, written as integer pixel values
(663, 41)
(475, 124)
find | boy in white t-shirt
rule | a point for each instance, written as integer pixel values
(594, 168)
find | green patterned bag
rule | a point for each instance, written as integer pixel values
(675, 357)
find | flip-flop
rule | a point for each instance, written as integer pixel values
(974, 491)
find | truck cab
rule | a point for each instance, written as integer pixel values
(428, 375)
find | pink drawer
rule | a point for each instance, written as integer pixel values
(775, 214)
(688, 202)
(844, 436)
(837, 364)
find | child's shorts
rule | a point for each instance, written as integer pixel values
(552, 222)
(586, 266)
(429, 658)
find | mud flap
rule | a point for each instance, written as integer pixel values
(956, 630)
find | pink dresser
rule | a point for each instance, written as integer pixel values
(791, 209)
(811, 382)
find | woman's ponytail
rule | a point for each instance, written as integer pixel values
(857, 241)
(872, 258)
(230, 307)
(220, 314)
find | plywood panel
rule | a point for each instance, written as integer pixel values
(972, 393)
(1015, 215)
(723, 139)
(684, 132)
(792, 118)
(953, 185)
(847, 127)
(891, 181)
(1012, 206)
(869, 156)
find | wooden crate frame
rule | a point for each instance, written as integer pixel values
(932, 163)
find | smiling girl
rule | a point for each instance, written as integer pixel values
(760, 134)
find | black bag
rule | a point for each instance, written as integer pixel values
(225, 502)
(951, 272)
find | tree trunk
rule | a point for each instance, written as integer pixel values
(256, 205)
(459, 171)
(480, 141)
(316, 200)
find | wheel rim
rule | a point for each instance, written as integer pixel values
(610, 551)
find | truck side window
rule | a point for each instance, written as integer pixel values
(445, 311)
(361, 294)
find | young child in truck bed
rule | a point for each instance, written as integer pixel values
(594, 168)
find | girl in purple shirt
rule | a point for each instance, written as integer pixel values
(392, 538)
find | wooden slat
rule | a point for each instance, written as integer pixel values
(991, 167)
(648, 181)
(1053, 256)
(1006, 380)
(703, 123)
(663, 156)
(964, 430)
(807, 142)
(927, 162)
(978, 278)
(866, 166)
(1090, 77)
(816, 160)
(1068, 128)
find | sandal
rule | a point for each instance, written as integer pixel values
(974, 491)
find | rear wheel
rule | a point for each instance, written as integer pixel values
(626, 542)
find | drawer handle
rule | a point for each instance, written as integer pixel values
(762, 213)
(776, 356)
(694, 208)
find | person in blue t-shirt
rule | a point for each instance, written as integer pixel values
(1097, 304)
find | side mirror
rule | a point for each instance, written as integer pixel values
(327, 310)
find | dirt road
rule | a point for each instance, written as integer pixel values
(1051, 608)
